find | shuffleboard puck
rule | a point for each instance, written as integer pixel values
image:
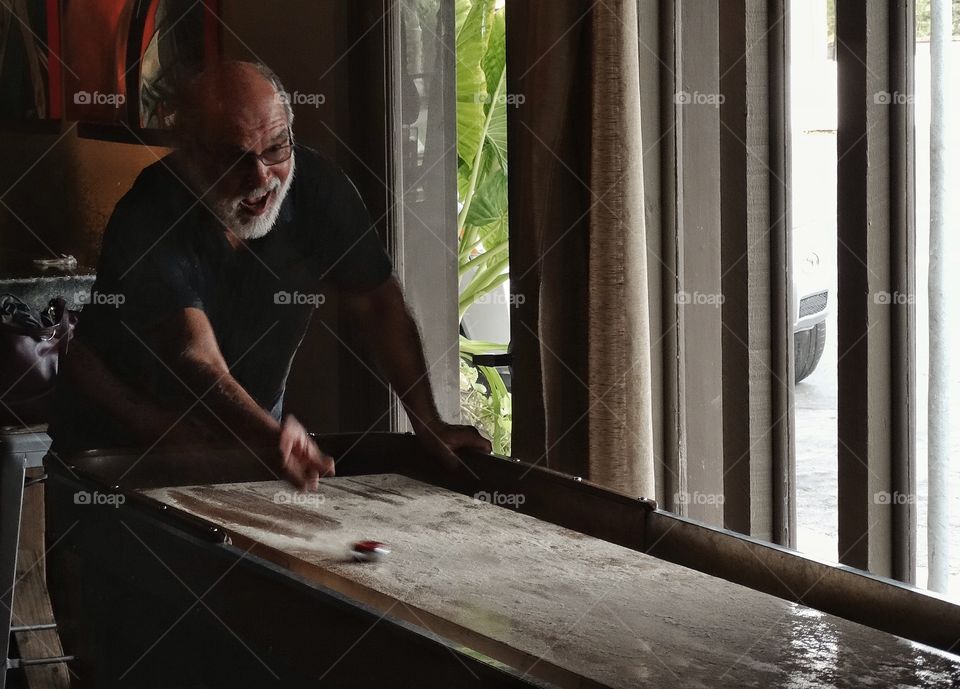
(369, 551)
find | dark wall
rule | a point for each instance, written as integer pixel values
(58, 190)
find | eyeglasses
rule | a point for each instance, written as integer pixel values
(231, 158)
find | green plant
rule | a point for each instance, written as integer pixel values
(921, 13)
(923, 19)
(489, 412)
(483, 245)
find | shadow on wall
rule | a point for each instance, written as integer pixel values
(58, 191)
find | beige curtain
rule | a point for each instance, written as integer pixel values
(581, 336)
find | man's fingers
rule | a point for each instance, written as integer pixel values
(291, 434)
(296, 478)
(315, 464)
(325, 465)
(285, 445)
(311, 479)
(478, 442)
(305, 471)
(302, 461)
(468, 436)
(318, 459)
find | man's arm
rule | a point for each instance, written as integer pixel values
(387, 326)
(185, 343)
(149, 423)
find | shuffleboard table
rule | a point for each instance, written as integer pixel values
(200, 569)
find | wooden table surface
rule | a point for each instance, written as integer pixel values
(552, 602)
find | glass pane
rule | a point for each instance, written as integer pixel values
(813, 117)
(937, 145)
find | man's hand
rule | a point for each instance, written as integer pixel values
(382, 317)
(442, 440)
(302, 462)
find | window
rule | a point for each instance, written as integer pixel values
(482, 222)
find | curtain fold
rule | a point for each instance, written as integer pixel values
(581, 334)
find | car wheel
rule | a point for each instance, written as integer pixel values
(807, 350)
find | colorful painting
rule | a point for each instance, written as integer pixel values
(30, 67)
(125, 58)
(178, 37)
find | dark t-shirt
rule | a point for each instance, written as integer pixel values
(162, 253)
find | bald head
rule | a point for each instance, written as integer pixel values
(230, 98)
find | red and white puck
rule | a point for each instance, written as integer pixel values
(370, 551)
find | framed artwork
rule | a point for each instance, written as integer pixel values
(177, 38)
(30, 64)
(125, 58)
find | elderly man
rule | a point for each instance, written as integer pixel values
(189, 333)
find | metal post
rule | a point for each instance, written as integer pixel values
(939, 402)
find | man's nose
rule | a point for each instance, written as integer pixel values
(258, 174)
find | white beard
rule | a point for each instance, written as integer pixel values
(245, 226)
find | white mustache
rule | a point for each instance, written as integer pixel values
(257, 193)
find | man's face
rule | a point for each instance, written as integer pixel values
(236, 163)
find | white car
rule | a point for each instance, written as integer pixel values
(813, 290)
(489, 319)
